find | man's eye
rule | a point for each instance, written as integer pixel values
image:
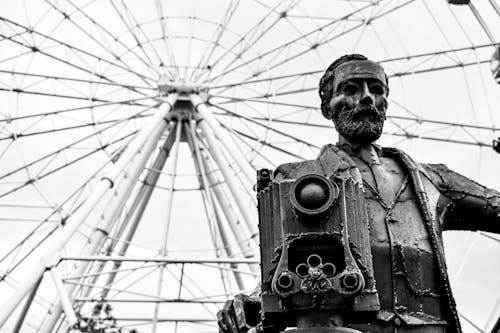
(350, 89)
(377, 89)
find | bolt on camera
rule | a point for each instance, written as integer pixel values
(316, 261)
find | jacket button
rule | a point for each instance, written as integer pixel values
(397, 321)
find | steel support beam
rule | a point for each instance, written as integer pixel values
(26, 307)
(58, 241)
(65, 301)
(223, 137)
(124, 186)
(131, 300)
(249, 218)
(144, 195)
(169, 201)
(166, 260)
(131, 212)
(208, 199)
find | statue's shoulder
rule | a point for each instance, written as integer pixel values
(331, 160)
(296, 169)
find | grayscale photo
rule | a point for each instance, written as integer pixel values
(250, 166)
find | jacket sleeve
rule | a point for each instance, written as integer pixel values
(468, 205)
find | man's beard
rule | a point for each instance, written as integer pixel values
(360, 124)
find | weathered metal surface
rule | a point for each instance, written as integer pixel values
(389, 209)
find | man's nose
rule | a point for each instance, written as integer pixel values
(366, 95)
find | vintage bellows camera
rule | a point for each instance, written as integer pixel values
(315, 249)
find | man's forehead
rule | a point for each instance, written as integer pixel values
(358, 69)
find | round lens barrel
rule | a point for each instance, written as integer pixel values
(313, 194)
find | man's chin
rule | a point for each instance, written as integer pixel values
(361, 134)
(364, 138)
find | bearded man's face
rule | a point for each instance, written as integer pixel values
(358, 109)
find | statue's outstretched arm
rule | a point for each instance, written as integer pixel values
(469, 205)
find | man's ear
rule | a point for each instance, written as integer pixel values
(327, 112)
(327, 109)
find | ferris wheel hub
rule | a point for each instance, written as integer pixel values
(182, 88)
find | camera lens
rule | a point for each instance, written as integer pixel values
(313, 194)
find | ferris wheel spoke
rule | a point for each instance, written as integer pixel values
(130, 102)
(270, 145)
(36, 49)
(166, 41)
(144, 78)
(244, 38)
(131, 31)
(218, 233)
(54, 95)
(34, 247)
(410, 61)
(398, 74)
(470, 322)
(103, 46)
(215, 39)
(481, 22)
(495, 6)
(254, 149)
(282, 133)
(70, 79)
(59, 129)
(267, 79)
(67, 164)
(139, 27)
(74, 196)
(413, 120)
(409, 136)
(287, 44)
(438, 24)
(80, 140)
(230, 100)
(327, 40)
(414, 62)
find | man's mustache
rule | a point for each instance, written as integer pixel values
(363, 112)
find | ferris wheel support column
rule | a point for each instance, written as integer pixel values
(208, 199)
(232, 219)
(118, 234)
(26, 307)
(250, 219)
(249, 192)
(64, 298)
(108, 217)
(143, 199)
(223, 137)
(109, 248)
(169, 201)
(37, 269)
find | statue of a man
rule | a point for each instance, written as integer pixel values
(408, 204)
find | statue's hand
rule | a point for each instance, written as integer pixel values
(240, 315)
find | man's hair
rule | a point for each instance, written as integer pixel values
(326, 83)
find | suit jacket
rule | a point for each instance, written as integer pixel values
(446, 200)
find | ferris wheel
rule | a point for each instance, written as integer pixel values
(131, 132)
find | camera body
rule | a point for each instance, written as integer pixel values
(315, 249)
